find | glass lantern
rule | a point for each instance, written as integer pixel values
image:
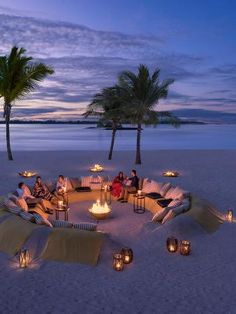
(127, 255)
(172, 244)
(118, 263)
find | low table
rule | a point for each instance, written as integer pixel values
(64, 210)
(139, 204)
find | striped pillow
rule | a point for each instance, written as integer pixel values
(97, 179)
(61, 224)
(27, 216)
(164, 189)
(86, 226)
(85, 181)
(40, 220)
(20, 202)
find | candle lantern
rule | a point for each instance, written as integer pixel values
(230, 215)
(185, 247)
(24, 258)
(139, 192)
(127, 255)
(60, 204)
(118, 263)
(172, 244)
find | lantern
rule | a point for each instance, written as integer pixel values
(60, 204)
(139, 192)
(118, 263)
(24, 258)
(127, 255)
(230, 215)
(172, 244)
(184, 247)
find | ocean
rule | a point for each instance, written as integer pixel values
(86, 137)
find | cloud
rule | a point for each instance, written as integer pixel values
(86, 60)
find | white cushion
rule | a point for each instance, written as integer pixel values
(164, 189)
(185, 204)
(174, 204)
(151, 186)
(170, 193)
(180, 194)
(11, 206)
(97, 179)
(85, 181)
(95, 186)
(160, 215)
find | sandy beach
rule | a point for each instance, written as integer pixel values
(156, 282)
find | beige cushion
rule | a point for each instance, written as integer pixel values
(20, 202)
(97, 179)
(76, 183)
(164, 189)
(179, 193)
(11, 206)
(85, 181)
(95, 186)
(69, 186)
(151, 186)
(160, 215)
(185, 204)
(40, 220)
(170, 193)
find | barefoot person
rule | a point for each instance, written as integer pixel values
(130, 186)
(24, 192)
(117, 184)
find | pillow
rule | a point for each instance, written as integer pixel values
(75, 182)
(153, 195)
(164, 189)
(51, 185)
(97, 179)
(85, 181)
(20, 202)
(179, 193)
(95, 186)
(69, 186)
(11, 206)
(61, 224)
(83, 189)
(170, 215)
(40, 220)
(170, 193)
(27, 190)
(151, 186)
(160, 215)
(174, 204)
(86, 226)
(184, 207)
(27, 216)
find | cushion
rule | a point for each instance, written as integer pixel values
(95, 186)
(97, 179)
(61, 224)
(86, 226)
(27, 216)
(11, 206)
(20, 202)
(164, 189)
(27, 190)
(160, 215)
(185, 205)
(174, 203)
(83, 189)
(179, 193)
(151, 186)
(170, 215)
(69, 186)
(75, 182)
(51, 184)
(164, 203)
(40, 220)
(170, 193)
(85, 181)
(153, 195)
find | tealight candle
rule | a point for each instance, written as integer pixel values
(139, 192)
(60, 204)
(172, 244)
(230, 215)
(185, 247)
(118, 263)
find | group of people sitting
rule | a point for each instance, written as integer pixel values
(40, 193)
(123, 185)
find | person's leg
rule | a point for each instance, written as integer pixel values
(128, 190)
(122, 193)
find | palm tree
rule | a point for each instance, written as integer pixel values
(143, 91)
(108, 105)
(18, 77)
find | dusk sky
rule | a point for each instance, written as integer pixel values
(89, 42)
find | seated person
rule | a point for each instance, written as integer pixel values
(24, 192)
(117, 184)
(61, 188)
(131, 185)
(40, 190)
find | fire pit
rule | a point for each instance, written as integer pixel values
(96, 168)
(27, 174)
(99, 211)
(170, 174)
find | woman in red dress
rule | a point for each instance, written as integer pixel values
(117, 184)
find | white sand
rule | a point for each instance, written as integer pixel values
(157, 282)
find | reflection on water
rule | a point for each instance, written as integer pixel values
(81, 137)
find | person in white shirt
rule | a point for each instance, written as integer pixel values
(61, 184)
(24, 192)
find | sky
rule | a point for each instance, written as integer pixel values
(90, 42)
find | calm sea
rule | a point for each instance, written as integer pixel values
(83, 137)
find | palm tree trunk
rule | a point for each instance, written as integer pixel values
(138, 145)
(7, 114)
(112, 143)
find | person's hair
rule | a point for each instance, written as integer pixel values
(61, 176)
(20, 185)
(121, 173)
(38, 177)
(134, 171)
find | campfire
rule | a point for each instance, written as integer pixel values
(99, 211)
(96, 168)
(170, 174)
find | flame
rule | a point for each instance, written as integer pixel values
(98, 208)
(96, 168)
